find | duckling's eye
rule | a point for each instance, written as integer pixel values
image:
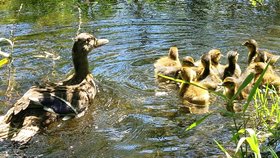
(88, 40)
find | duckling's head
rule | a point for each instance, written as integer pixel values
(85, 42)
(173, 53)
(251, 44)
(232, 56)
(229, 82)
(188, 61)
(259, 67)
(205, 60)
(215, 55)
(188, 74)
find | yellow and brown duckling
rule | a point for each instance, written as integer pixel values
(40, 106)
(168, 65)
(232, 69)
(188, 61)
(215, 55)
(270, 77)
(231, 86)
(256, 55)
(207, 77)
(191, 93)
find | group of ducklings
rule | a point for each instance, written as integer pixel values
(208, 73)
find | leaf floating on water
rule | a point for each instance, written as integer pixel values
(48, 55)
(3, 62)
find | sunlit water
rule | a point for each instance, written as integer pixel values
(132, 115)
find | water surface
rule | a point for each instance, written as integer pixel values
(132, 115)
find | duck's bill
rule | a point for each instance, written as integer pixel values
(101, 42)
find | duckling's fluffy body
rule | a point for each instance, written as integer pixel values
(216, 66)
(168, 65)
(191, 93)
(270, 77)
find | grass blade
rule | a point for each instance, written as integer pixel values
(196, 123)
(246, 82)
(253, 90)
(223, 149)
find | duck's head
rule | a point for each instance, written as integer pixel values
(85, 42)
(251, 44)
(232, 56)
(188, 61)
(205, 60)
(215, 55)
(173, 53)
(229, 82)
(188, 74)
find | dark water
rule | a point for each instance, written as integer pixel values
(132, 115)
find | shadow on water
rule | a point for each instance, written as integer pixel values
(132, 115)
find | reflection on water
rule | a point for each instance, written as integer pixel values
(132, 116)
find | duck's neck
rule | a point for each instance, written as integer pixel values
(205, 73)
(80, 62)
(231, 65)
(252, 54)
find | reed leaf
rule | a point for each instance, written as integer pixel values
(198, 122)
(223, 149)
(247, 81)
(191, 83)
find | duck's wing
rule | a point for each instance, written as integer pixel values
(44, 98)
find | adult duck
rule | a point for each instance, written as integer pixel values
(255, 54)
(40, 106)
(168, 65)
(232, 69)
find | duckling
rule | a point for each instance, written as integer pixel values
(231, 86)
(168, 65)
(232, 69)
(188, 61)
(206, 77)
(190, 93)
(215, 55)
(254, 53)
(270, 77)
(40, 106)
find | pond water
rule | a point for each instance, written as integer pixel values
(132, 115)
